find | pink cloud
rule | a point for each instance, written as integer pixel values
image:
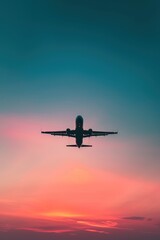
(99, 223)
(58, 231)
(74, 225)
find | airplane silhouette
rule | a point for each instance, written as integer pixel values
(79, 133)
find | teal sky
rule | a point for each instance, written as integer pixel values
(94, 58)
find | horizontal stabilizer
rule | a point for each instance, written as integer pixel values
(80, 146)
(86, 145)
(71, 146)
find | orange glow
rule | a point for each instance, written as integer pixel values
(61, 215)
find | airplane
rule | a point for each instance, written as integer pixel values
(79, 133)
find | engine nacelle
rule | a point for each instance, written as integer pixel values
(90, 131)
(68, 131)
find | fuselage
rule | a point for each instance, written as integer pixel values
(79, 130)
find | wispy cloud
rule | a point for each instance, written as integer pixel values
(135, 218)
(98, 223)
(56, 225)
(41, 230)
(75, 225)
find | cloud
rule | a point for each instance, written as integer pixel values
(56, 225)
(98, 223)
(41, 230)
(134, 218)
(68, 228)
(96, 231)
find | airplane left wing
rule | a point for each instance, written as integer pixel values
(68, 133)
(90, 133)
(98, 133)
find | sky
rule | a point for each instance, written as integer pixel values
(99, 59)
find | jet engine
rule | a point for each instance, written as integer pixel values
(90, 131)
(68, 131)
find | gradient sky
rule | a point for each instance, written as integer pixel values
(99, 59)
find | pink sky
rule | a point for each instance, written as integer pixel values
(82, 189)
